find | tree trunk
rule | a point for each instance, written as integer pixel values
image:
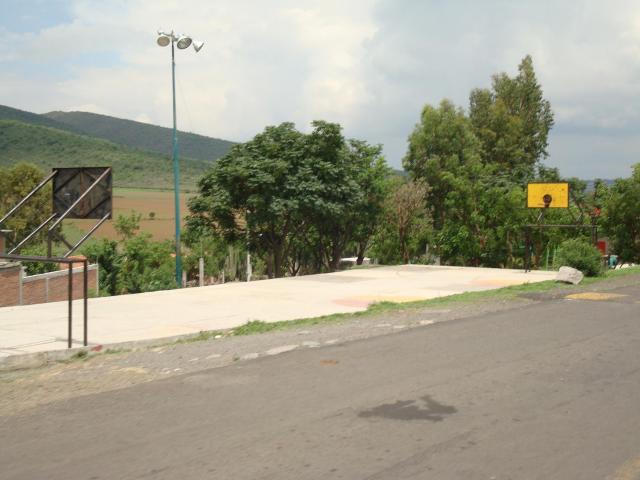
(361, 249)
(277, 262)
(270, 266)
(336, 254)
(402, 235)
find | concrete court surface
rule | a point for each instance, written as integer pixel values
(146, 316)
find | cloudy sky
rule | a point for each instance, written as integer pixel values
(370, 65)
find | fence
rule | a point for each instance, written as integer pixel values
(16, 288)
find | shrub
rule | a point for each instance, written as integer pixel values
(579, 254)
(34, 268)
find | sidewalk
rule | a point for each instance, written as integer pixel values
(146, 316)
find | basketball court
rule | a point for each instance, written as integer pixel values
(155, 315)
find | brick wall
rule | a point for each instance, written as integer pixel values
(46, 287)
(9, 284)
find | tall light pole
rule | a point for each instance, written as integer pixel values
(182, 42)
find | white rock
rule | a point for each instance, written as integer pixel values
(283, 349)
(569, 275)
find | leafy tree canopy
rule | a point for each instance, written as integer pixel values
(15, 183)
(622, 217)
(299, 199)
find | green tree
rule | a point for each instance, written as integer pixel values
(476, 168)
(299, 200)
(346, 200)
(211, 248)
(256, 186)
(146, 265)
(406, 210)
(34, 268)
(622, 217)
(374, 179)
(15, 183)
(440, 146)
(135, 264)
(104, 252)
(127, 226)
(512, 120)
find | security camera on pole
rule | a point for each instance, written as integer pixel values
(182, 42)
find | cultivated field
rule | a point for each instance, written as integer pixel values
(150, 203)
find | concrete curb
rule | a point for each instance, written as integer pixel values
(41, 359)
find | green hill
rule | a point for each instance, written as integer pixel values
(9, 113)
(142, 135)
(48, 147)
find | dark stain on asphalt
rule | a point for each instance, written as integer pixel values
(425, 408)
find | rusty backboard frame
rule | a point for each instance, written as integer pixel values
(71, 183)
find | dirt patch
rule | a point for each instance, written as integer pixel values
(158, 204)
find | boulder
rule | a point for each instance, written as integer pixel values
(569, 275)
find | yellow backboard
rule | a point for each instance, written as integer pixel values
(548, 195)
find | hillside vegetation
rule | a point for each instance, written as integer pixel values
(9, 113)
(48, 147)
(141, 135)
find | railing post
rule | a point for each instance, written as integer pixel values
(35, 258)
(69, 340)
(86, 299)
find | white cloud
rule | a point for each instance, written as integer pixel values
(370, 65)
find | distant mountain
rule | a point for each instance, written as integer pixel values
(9, 113)
(50, 147)
(141, 135)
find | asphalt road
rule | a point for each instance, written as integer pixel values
(549, 391)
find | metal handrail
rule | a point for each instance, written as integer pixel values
(69, 262)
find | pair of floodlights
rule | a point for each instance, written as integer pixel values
(181, 41)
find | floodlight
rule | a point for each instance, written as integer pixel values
(163, 39)
(197, 46)
(183, 42)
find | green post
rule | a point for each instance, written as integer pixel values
(176, 171)
(547, 262)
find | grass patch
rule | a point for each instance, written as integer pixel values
(116, 351)
(611, 274)
(79, 356)
(200, 337)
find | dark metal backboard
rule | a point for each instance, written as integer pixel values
(70, 183)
